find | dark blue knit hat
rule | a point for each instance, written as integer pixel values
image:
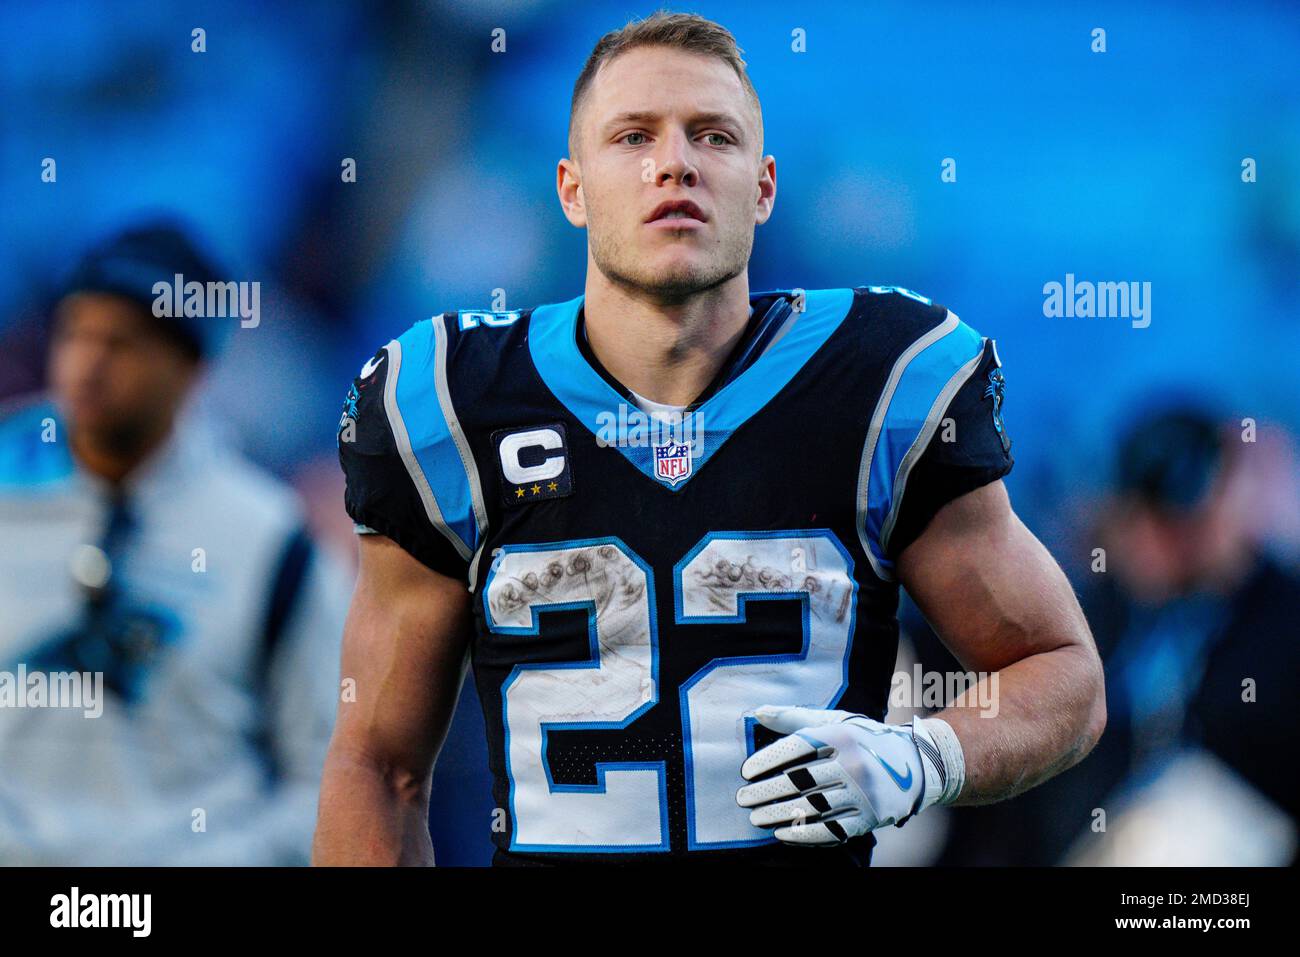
(130, 262)
(1170, 460)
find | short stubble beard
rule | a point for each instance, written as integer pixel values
(676, 285)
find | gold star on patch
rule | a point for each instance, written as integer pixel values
(519, 493)
(537, 490)
(552, 487)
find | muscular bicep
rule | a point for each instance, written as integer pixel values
(988, 587)
(404, 647)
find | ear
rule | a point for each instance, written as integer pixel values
(568, 186)
(766, 190)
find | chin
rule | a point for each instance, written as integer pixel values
(677, 283)
(679, 272)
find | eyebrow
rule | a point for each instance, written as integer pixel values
(649, 116)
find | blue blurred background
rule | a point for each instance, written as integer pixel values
(1122, 165)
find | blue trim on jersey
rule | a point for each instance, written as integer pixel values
(552, 340)
(743, 598)
(592, 662)
(909, 407)
(430, 435)
(26, 462)
(750, 746)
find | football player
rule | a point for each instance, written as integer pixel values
(666, 523)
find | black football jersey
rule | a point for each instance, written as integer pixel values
(641, 584)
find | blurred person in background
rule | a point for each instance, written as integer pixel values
(1198, 625)
(174, 577)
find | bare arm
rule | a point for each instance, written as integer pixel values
(404, 645)
(1001, 604)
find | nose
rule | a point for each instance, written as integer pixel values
(676, 161)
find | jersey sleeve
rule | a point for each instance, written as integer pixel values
(405, 470)
(936, 431)
(969, 448)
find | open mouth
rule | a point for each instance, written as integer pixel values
(677, 214)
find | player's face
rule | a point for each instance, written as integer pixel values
(113, 375)
(661, 125)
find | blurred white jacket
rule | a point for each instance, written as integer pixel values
(210, 749)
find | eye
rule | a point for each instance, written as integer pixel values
(723, 137)
(624, 138)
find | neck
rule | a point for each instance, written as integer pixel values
(113, 459)
(667, 351)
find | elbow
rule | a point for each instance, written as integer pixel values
(399, 781)
(1086, 711)
(1094, 722)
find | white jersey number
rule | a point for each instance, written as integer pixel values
(626, 810)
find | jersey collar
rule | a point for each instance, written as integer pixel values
(602, 410)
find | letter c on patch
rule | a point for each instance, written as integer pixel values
(512, 445)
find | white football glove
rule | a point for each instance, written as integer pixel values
(838, 775)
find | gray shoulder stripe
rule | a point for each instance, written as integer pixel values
(877, 423)
(932, 420)
(403, 440)
(474, 563)
(453, 424)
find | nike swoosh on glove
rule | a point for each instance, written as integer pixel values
(836, 775)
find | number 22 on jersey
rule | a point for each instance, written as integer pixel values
(626, 809)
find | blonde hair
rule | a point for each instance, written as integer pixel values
(680, 31)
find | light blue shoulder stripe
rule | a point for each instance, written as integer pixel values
(27, 460)
(919, 388)
(430, 438)
(552, 340)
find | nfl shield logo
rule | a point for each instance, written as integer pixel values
(672, 462)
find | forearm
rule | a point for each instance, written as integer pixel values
(371, 815)
(1048, 711)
